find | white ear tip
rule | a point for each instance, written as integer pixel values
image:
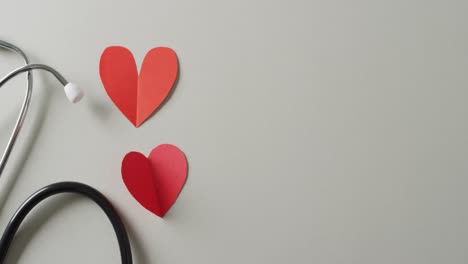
(73, 92)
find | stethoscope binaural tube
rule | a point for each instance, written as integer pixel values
(73, 93)
(67, 187)
(24, 108)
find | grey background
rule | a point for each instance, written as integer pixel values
(316, 131)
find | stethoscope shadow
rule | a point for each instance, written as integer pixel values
(33, 124)
(139, 253)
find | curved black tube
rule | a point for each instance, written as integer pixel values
(67, 187)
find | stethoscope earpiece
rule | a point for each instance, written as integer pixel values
(73, 92)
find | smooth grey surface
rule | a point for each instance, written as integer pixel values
(316, 131)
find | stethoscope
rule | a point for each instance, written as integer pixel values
(74, 94)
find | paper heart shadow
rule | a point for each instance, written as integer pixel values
(138, 95)
(155, 182)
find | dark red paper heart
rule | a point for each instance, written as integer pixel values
(155, 182)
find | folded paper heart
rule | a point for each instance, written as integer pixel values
(155, 182)
(138, 96)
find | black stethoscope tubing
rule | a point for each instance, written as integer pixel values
(67, 187)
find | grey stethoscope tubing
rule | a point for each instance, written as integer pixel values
(73, 93)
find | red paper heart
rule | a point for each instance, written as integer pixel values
(138, 96)
(155, 182)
